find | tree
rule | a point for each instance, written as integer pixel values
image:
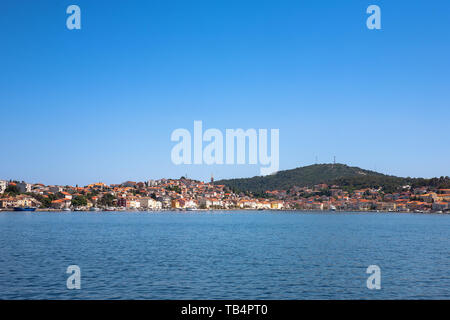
(13, 190)
(107, 200)
(79, 201)
(174, 188)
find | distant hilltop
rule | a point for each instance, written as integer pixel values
(331, 174)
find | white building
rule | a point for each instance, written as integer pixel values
(263, 205)
(191, 204)
(3, 185)
(210, 202)
(150, 203)
(151, 183)
(247, 204)
(134, 204)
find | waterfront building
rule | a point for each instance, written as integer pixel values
(440, 206)
(7, 202)
(61, 204)
(150, 203)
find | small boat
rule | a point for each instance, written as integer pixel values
(67, 209)
(24, 209)
(94, 209)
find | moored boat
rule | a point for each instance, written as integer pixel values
(24, 209)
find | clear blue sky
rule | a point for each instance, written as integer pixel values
(100, 103)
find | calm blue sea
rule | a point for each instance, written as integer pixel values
(224, 255)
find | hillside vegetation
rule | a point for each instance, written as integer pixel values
(338, 174)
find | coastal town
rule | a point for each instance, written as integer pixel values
(187, 194)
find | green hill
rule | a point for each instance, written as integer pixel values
(339, 174)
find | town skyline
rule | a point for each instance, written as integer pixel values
(187, 194)
(186, 175)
